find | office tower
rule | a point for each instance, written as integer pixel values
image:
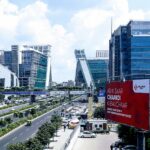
(91, 71)
(33, 69)
(28, 63)
(129, 51)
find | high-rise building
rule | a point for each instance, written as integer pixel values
(1, 56)
(33, 69)
(91, 71)
(102, 54)
(28, 63)
(46, 50)
(129, 51)
(79, 54)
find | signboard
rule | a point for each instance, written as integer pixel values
(101, 93)
(128, 103)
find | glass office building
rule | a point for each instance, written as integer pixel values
(33, 69)
(98, 69)
(30, 63)
(8, 59)
(129, 51)
(90, 71)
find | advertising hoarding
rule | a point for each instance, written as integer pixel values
(128, 103)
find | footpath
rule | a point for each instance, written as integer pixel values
(64, 139)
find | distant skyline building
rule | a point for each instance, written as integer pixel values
(129, 51)
(79, 53)
(102, 54)
(31, 63)
(1, 56)
(91, 71)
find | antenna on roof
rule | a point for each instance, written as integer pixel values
(111, 25)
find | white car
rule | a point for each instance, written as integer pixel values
(87, 134)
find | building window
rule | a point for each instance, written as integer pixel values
(100, 126)
(2, 82)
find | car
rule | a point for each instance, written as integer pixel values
(87, 134)
(12, 109)
(129, 147)
(117, 144)
(29, 123)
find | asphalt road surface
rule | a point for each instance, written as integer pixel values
(26, 132)
(101, 142)
(14, 107)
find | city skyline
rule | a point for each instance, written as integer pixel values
(66, 25)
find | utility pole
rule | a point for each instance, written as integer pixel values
(90, 102)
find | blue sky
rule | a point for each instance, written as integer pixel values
(66, 25)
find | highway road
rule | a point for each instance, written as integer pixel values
(14, 107)
(26, 132)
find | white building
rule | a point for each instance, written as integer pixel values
(8, 79)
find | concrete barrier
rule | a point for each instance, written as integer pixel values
(73, 138)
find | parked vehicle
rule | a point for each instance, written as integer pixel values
(129, 147)
(87, 134)
(117, 144)
(97, 125)
(73, 123)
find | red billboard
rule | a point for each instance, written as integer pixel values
(128, 103)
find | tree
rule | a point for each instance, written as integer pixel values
(43, 134)
(56, 121)
(127, 134)
(8, 120)
(34, 144)
(2, 97)
(99, 112)
(17, 146)
(33, 111)
(9, 97)
(16, 114)
(2, 123)
(27, 112)
(20, 114)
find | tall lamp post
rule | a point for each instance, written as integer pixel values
(90, 101)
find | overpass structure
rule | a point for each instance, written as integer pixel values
(49, 93)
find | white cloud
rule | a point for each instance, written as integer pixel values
(87, 29)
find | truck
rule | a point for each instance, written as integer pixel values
(97, 126)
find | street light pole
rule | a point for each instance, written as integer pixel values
(90, 101)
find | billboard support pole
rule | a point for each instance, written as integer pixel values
(140, 140)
